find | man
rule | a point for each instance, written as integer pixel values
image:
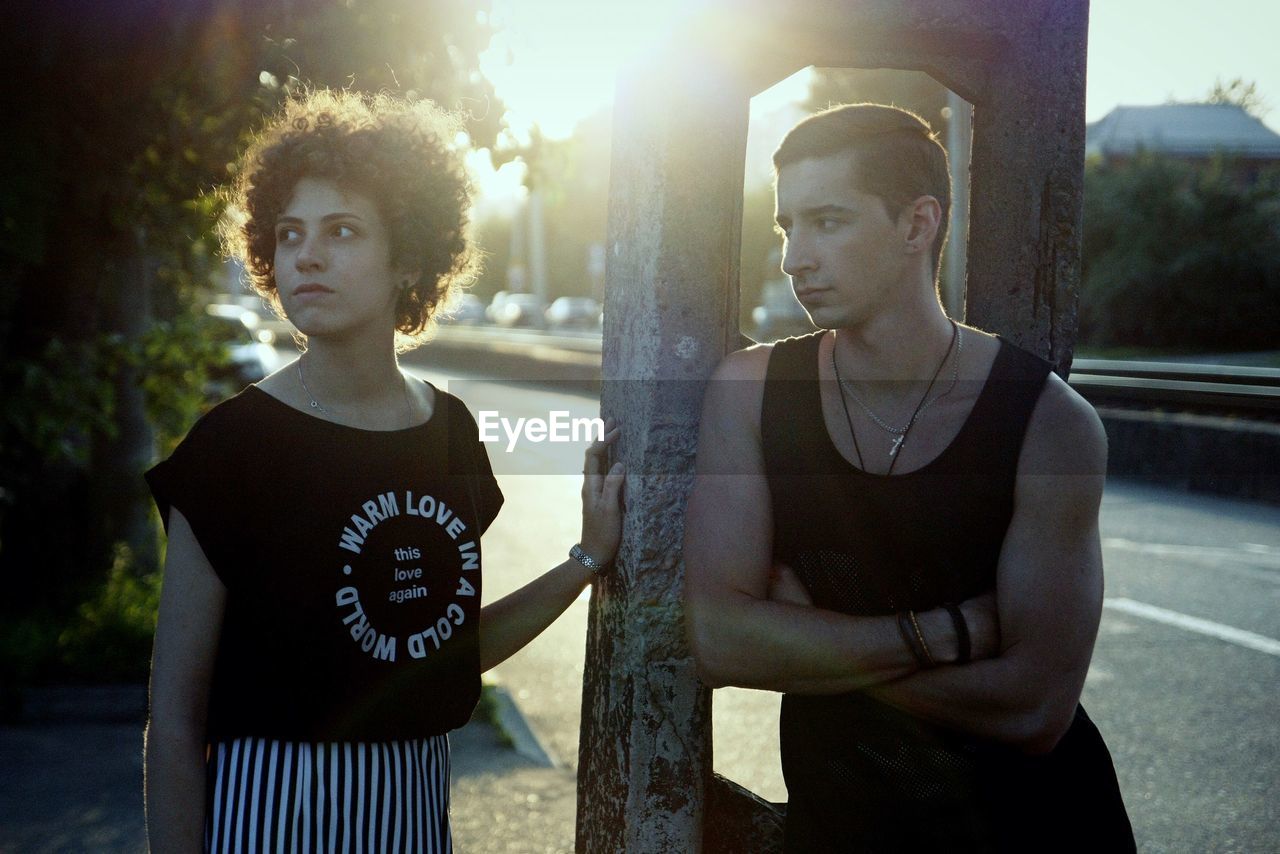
(895, 522)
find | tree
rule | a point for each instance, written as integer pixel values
(130, 115)
(1180, 257)
(1240, 93)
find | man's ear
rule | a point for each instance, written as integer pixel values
(923, 217)
(407, 279)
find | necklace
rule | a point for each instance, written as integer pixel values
(315, 404)
(897, 443)
(955, 378)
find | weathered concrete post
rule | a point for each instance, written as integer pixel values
(671, 283)
(644, 779)
(1027, 178)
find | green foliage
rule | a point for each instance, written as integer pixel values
(177, 357)
(28, 650)
(1241, 93)
(106, 639)
(1180, 256)
(110, 639)
(54, 403)
(487, 710)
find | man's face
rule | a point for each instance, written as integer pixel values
(842, 249)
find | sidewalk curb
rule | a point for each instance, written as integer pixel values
(523, 739)
(127, 704)
(124, 703)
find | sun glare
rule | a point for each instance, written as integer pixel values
(555, 61)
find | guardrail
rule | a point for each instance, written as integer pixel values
(1178, 385)
(1174, 385)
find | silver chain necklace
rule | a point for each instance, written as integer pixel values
(315, 404)
(898, 431)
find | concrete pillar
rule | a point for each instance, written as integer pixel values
(671, 291)
(1027, 185)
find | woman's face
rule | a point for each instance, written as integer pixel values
(333, 263)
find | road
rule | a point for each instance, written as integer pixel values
(1185, 674)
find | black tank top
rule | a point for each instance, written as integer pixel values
(862, 775)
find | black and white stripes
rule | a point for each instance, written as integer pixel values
(268, 795)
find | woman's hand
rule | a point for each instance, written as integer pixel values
(786, 586)
(601, 498)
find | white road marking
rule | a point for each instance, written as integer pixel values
(1195, 624)
(1222, 559)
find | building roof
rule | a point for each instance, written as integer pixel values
(1187, 130)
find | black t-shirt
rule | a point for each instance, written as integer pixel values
(351, 560)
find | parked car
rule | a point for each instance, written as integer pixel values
(465, 308)
(494, 308)
(574, 313)
(521, 310)
(250, 354)
(251, 320)
(779, 314)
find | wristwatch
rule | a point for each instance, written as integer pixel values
(586, 560)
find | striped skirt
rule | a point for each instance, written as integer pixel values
(270, 795)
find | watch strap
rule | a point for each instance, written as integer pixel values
(580, 555)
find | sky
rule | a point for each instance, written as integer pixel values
(1151, 51)
(553, 62)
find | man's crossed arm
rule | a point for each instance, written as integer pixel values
(746, 630)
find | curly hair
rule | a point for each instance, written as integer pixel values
(397, 153)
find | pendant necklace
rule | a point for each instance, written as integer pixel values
(316, 405)
(920, 407)
(900, 431)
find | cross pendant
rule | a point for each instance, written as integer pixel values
(896, 443)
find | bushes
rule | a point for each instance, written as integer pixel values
(107, 638)
(1180, 257)
(110, 638)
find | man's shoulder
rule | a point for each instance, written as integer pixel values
(732, 402)
(1065, 434)
(752, 362)
(1059, 412)
(749, 363)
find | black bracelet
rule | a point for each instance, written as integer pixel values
(909, 635)
(962, 633)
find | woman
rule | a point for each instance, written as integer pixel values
(320, 628)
